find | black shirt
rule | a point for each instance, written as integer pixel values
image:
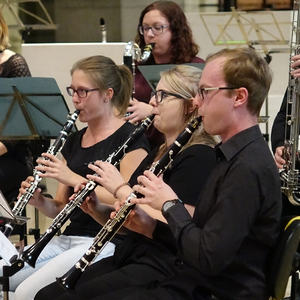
(186, 175)
(278, 128)
(78, 157)
(227, 242)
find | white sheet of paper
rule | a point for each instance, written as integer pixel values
(7, 249)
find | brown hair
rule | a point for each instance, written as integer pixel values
(243, 67)
(105, 74)
(183, 47)
(4, 39)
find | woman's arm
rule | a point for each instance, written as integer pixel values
(3, 149)
(48, 206)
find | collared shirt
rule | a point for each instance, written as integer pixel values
(236, 223)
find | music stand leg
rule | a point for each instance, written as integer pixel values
(9, 271)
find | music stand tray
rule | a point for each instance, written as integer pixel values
(31, 108)
(6, 214)
(152, 72)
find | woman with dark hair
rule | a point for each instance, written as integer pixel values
(163, 23)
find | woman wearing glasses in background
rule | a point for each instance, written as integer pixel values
(100, 91)
(139, 260)
(165, 24)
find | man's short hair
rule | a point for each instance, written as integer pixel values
(243, 67)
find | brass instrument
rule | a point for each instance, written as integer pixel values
(290, 173)
(54, 149)
(31, 254)
(133, 54)
(112, 226)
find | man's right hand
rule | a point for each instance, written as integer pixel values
(280, 162)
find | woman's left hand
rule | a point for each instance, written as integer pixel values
(52, 167)
(138, 220)
(156, 192)
(138, 111)
(108, 175)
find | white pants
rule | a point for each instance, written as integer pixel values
(55, 260)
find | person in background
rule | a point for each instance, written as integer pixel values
(100, 91)
(163, 23)
(174, 106)
(278, 139)
(16, 156)
(11, 63)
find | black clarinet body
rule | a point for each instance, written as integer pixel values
(54, 149)
(31, 254)
(112, 226)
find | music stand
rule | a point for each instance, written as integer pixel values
(152, 72)
(31, 108)
(6, 214)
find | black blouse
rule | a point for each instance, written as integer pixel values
(78, 158)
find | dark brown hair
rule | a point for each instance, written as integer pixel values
(183, 47)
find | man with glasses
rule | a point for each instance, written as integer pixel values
(225, 246)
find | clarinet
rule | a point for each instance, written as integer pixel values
(112, 226)
(54, 149)
(31, 254)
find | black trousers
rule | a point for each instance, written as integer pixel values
(105, 281)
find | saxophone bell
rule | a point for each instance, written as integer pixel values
(147, 52)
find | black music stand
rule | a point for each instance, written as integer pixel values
(6, 214)
(31, 108)
(152, 72)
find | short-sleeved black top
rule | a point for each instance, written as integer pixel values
(78, 157)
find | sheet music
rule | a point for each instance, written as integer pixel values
(5, 210)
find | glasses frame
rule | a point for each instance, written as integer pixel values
(163, 95)
(71, 91)
(154, 29)
(201, 91)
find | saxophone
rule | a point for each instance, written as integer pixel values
(112, 226)
(31, 254)
(290, 173)
(54, 149)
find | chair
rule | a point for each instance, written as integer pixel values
(285, 261)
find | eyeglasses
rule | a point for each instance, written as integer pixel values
(81, 93)
(203, 92)
(156, 29)
(161, 94)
